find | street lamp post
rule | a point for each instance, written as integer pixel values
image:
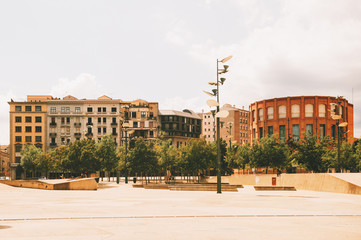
(339, 125)
(215, 93)
(229, 130)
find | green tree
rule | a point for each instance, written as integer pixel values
(60, 158)
(106, 153)
(142, 159)
(167, 155)
(44, 163)
(82, 157)
(311, 152)
(28, 159)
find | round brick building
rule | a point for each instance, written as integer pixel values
(292, 117)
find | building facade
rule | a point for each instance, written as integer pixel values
(293, 117)
(4, 160)
(234, 128)
(48, 122)
(180, 126)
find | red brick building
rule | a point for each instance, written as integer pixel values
(292, 117)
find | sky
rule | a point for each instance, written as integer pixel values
(167, 51)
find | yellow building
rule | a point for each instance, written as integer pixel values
(27, 126)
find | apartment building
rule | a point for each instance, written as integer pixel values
(234, 128)
(180, 126)
(48, 122)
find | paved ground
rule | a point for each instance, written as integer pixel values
(122, 212)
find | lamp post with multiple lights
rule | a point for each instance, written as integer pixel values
(219, 114)
(229, 131)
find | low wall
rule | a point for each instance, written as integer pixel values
(322, 182)
(78, 184)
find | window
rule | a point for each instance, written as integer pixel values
(341, 111)
(270, 113)
(99, 109)
(135, 124)
(104, 109)
(296, 132)
(28, 129)
(17, 138)
(309, 110)
(17, 129)
(134, 115)
(27, 108)
(27, 119)
(282, 111)
(260, 114)
(295, 110)
(322, 131)
(67, 109)
(37, 108)
(114, 131)
(37, 138)
(114, 109)
(104, 130)
(99, 120)
(68, 120)
(27, 138)
(90, 109)
(17, 108)
(151, 134)
(62, 120)
(309, 129)
(104, 120)
(52, 109)
(322, 110)
(62, 109)
(333, 131)
(253, 115)
(38, 119)
(77, 109)
(38, 129)
(270, 131)
(18, 147)
(89, 120)
(99, 130)
(260, 132)
(17, 119)
(282, 133)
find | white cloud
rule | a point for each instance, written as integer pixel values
(83, 86)
(178, 35)
(310, 48)
(179, 104)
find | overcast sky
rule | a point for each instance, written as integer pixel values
(166, 51)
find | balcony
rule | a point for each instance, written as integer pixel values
(53, 144)
(53, 124)
(115, 134)
(114, 124)
(89, 124)
(77, 134)
(89, 134)
(52, 134)
(77, 124)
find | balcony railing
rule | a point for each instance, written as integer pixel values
(77, 134)
(77, 124)
(52, 134)
(53, 124)
(115, 134)
(89, 124)
(53, 145)
(114, 124)
(89, 134)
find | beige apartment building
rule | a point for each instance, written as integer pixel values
(48, 122)
(234, 128)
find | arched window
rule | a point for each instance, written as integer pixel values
(309, 110)
(282, 111)
(295, 110)
(260, 114)
(270, 113)
(322, 110)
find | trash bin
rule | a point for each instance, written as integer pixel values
(134, 180)
(273, 181)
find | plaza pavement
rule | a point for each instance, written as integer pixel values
(122, 212)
